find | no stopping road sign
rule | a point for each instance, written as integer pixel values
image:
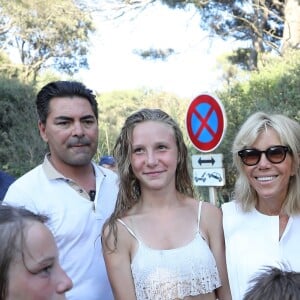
(206, 122)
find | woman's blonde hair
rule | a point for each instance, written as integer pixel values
(129, 187)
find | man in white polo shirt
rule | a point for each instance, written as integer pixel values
(73, 191)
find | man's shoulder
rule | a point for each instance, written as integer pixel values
(30, 175)
(28, 181)
(21, 191)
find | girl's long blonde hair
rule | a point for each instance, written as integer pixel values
(129, 187)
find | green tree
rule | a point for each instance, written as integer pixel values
(275, 89)
(7, 67)
(45, 34)
(21, 147)
(116, 106)
(258, 22)
(265, 25)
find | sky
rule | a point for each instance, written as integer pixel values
(187, 73)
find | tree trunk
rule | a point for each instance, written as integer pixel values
(257, 34)
(291, 33)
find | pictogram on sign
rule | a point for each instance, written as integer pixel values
(206, 122)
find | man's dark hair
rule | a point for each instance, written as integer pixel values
(62, 89)
(274, 284)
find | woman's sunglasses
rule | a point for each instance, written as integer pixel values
(274, 154)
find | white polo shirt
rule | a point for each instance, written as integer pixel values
(75, 221)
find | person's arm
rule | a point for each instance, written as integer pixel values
(213, 224)
(118, 264)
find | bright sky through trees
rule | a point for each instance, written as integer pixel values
(192, 69)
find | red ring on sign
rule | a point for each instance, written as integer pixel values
(215, 107)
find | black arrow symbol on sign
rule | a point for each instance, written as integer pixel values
(206, 161)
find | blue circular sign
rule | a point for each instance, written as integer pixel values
(205, 122)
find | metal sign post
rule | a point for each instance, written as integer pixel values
(212, 195)
(206, 123)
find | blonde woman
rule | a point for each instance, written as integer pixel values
(262, 225)
(160, 242)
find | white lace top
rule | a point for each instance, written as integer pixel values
(176, 273)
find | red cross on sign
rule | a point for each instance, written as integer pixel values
(206, 122)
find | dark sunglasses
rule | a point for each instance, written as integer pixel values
(274, 154)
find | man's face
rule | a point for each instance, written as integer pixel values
(71, 131)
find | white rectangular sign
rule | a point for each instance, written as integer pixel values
(209, 177)
(207, 161)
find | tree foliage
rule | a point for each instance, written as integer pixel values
(45, 34)
(266, 25)
(21, 147)
(154, 53)
(116, 106)
(275, 89)
(7, 67)
(260, 25)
